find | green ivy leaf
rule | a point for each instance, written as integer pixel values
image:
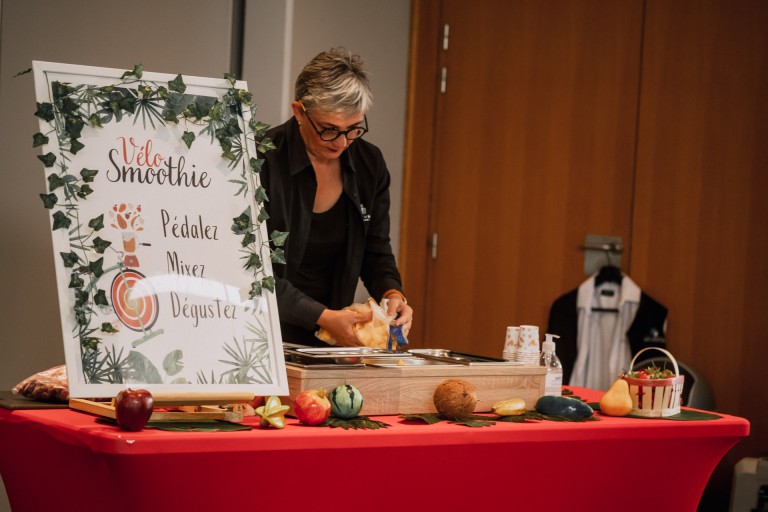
(162, 93)
(169, 116)
(188, 138)
(253, 261)
(75, 281)
(60, 220)
(100, 245)
(258, 128)
(278, 237)
(84, 191)
(242, 224)
(95, 121)
(255, 290)
(256, 164)
(96, 223)
(39, 139)
(55, 181)
(244, 96)
(263, 215)
(75, 146)
(248, 239)
(100, 298)
(49, 200)
(74, 126)
(88, 174)
(231, 78)
(265, 145)
(89, 343)
(96, 267)
(137, 71)
(127, 103)
(277, 256)
(69, 106)
(108, 327)
(45, 111)
(268, 283)
(177, 85)
(260, 195)
(48, 159)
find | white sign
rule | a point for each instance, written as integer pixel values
(162, 256)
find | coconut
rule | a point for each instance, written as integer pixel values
(455, 398)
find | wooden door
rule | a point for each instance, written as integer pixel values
(529, 148)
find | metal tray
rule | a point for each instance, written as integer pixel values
(338, 355)
(441, 354)
(399, 362)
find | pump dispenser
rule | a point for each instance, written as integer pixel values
(553, 384)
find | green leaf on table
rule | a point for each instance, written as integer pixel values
(198, 426)
(359, 422)
(691, 415)
(428, 418)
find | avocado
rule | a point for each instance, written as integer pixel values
(563, 406)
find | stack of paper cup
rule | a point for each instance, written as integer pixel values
(511, 343)
(528, 349)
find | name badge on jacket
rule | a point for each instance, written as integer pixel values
(364, 212)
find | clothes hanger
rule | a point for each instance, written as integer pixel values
(608, 273)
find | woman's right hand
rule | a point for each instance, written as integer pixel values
(340, 323)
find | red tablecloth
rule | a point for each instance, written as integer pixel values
(51, 459)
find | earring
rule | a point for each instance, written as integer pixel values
(299, 123)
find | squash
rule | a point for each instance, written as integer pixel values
(564, 406)
(616, 401)
(346, 401)
(511, 407)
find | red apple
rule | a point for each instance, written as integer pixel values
(133, 407)
(312, 407)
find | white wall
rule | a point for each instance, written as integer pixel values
(291, 32)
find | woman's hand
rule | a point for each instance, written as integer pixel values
(340, 323)
(397, 306)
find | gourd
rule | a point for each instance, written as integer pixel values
(346, 401)
(511, 407)
(617, 401)
(563, 406)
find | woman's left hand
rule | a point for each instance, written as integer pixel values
(396, 306)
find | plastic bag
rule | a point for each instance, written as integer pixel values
(374, 333)
(50, 385)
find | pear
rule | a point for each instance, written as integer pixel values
(617, 401)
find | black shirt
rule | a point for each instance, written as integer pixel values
(289, 179)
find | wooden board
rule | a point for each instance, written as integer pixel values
(185, 413)
(409, 390)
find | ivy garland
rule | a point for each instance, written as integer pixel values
(77, 106)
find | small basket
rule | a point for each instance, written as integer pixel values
(656, 398)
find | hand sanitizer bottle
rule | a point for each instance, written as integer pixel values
(553, 383)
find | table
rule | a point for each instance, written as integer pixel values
(52, 457)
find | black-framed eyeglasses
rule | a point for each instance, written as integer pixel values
(329, 134)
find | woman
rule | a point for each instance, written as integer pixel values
(330, 190)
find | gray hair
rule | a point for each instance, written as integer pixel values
(335, 82)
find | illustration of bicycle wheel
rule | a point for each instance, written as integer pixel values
(134, 301)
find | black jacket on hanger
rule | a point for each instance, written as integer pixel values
(647, 329)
